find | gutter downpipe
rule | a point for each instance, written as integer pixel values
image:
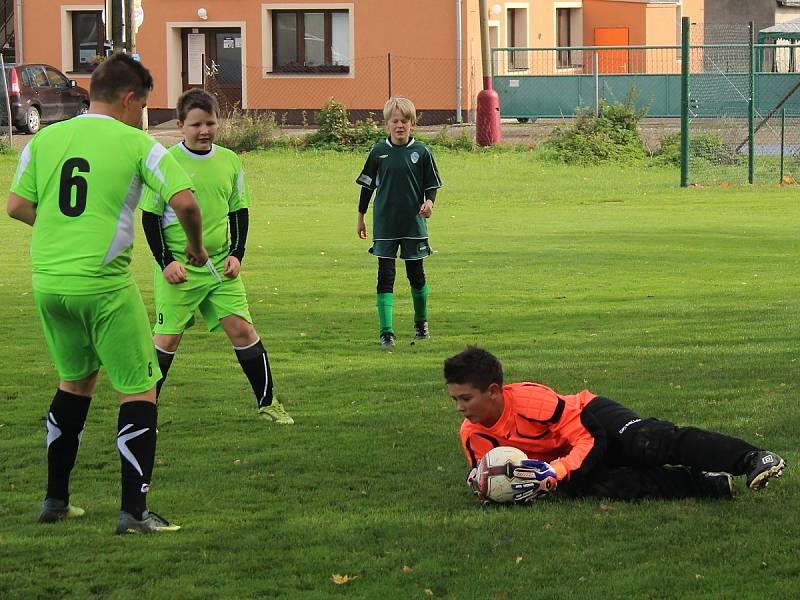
(458, 62)
(18, 33)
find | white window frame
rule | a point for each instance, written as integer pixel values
(67, 65)
(267, 59)
(575, 19)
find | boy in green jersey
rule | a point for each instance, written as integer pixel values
(403, 172)
(77, 184)
(215, 288)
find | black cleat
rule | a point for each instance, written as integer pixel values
(421, 330)
(761, 466)
(387, 340)
(150, 523)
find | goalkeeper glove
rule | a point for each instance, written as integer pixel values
(533, 479)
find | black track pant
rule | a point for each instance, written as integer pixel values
(387, 271)
(631, 455)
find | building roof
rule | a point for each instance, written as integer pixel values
(792, 26)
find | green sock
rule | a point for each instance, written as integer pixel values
(384, 304)
(420, 298)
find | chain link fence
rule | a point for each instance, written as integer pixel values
(743, 107)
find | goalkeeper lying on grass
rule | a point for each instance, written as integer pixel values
(590, 445)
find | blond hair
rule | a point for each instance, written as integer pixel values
(403, 105)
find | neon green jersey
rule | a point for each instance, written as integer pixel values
(85, 177)
(220, 187)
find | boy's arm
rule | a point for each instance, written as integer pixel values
(188, 212)
(21, 209)
(173, 270)
(239, 222)
(363, 205)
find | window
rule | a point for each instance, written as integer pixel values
(517, 37)
(88, 33)
(569, 33)
(38, 77)
(316, 41)
(57, 79)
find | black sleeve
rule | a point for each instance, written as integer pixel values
(151, 223)
(239, 221)
(363, 202)
(431, 195)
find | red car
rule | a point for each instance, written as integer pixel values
(41, 94)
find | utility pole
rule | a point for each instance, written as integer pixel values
(115, 29)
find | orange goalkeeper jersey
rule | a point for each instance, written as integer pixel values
(543, 424)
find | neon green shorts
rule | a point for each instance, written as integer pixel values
(109, 329)
(410, 248)
(176, 304)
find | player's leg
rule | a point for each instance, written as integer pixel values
(70, 347)
(639, 483)
(254, 360)
(652, 442)
(166, 347)
(126, 349)
(419, 294)
(384, 301)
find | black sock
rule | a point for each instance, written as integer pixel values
(136, 442)
(65, 421)
(255, 364)
(164, 363)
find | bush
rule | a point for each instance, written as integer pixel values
(611, 136)
(708, 146)
(335, 131)
(463, 141)
(248, 131)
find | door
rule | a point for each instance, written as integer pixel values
(212, 59)
(44, 94)
(65, 95)
(611, 61)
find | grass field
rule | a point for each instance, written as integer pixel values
(682, 304)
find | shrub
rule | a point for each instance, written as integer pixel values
(707, 146)
(337, 132)
(611, 136)
(248, 131)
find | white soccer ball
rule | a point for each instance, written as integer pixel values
(495, 473)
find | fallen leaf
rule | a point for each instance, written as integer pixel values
(606, 507)
(342, 579)
(428, 592)
(519, 559)
(549, 526)
(407, 569)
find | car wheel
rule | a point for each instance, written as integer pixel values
(83, 108)
(32, 120)
(522, 119)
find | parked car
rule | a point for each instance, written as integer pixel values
(41, 94)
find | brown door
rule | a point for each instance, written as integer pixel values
(212, 59)
(611, 61)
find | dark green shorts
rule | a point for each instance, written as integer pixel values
(109, 329)
(410, 248)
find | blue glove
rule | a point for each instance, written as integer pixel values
(533, 479)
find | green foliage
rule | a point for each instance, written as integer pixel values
(248, 131)
(611, 136)
(5, 147)
(464, 141)
(710, 147)
(336, 132)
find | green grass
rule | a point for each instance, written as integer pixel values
(682, 304)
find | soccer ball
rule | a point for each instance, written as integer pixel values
(495, 473)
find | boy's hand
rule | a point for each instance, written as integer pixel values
(196, 257)
(426, 209)
(174, 273)
(232, 267)
(361, 227)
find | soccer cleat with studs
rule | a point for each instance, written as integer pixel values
(715, 484)
(762, 465)
(387, 340)
(276, 413)
(421, 331)
(54, 510)
(149, 523)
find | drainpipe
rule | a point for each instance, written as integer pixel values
(18, 33)
(458, 61)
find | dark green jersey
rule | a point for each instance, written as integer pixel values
(401, 175)
(85, 177)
